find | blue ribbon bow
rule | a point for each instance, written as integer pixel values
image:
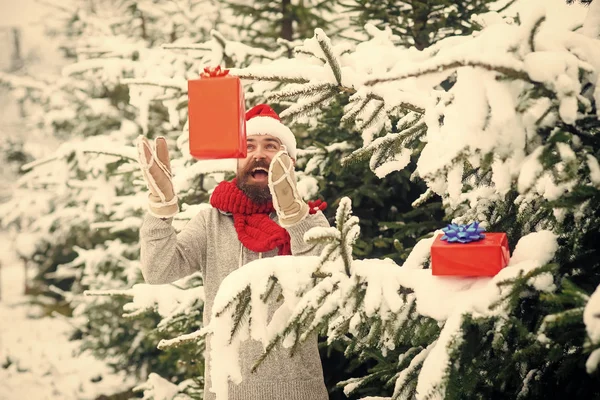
(460, 233)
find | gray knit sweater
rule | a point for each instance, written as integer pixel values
(209, 243)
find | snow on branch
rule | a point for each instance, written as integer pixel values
(293, 91)
(325, 44)
(169, 301)
(497, 92)
(510, 68)
(177, 84)
(355, 106)
(308, 105)
(388, 145)
(14, 82)
(259, 74)
(375, 301)
(158, 388)
(240, 306)
(300, 50)
(95, 64)
(190, 46)
(591, 25)
(181, 340)
(242, 51)
(591, 318)
(403, 388)
(100, 145)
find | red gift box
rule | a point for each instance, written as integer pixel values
(217, 116)
(485, 257)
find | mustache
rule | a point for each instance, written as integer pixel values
(256, 164)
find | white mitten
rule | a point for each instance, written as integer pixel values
(290, 207)
(156, 168)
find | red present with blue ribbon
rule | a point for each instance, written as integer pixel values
(464, 250)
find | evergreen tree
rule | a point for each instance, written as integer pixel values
(390, 225)
(509, 143)
(78, 210)
(419, 23)
(82, 216)
(387, 126)
(264, 22)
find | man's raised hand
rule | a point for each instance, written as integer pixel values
(288, 203)
(156, 168)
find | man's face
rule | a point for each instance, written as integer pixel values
(252, 171)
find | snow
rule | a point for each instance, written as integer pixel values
(592, 362)
(414, 364)
(591, 23)
(166, 300)
(477, 301)
(539, 246)
(389, 80)
(44, 363)
(493, 126)
(591, 317)
(444, 299)
(161, 388)
(531, 169)
(420, 253)
(501, 176)
(561, 71)
(398, 162)
(594, 167)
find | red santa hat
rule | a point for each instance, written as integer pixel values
(262, 120)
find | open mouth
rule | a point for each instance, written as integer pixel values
(259, 174)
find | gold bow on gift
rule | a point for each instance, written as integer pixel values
(214, 72)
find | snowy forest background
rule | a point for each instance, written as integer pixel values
(409, 114)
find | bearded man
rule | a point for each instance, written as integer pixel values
(258, 214)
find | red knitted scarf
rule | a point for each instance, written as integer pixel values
(255, 229)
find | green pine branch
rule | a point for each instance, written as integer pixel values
(329, 254)
(561, 319)
(268, 77)
(300, 50)
(242, 309)
(271, 284)
(372, 117)
(348, 227)
(305, 90)
(35, 164)
(198, 47)
(193, 337)
(294, 327)
(534, 31)
(392, 141)
(309, 105)
(519, 286)
(444, 66)
(355, 109)
(326, 46)
(164, 84)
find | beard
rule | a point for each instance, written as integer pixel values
(257, 192)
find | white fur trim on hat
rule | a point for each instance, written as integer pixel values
(270, 126)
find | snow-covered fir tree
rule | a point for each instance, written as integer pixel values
(77, 211)
(510, 143)
(265, 22)
(420, 23)
(496, 117)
